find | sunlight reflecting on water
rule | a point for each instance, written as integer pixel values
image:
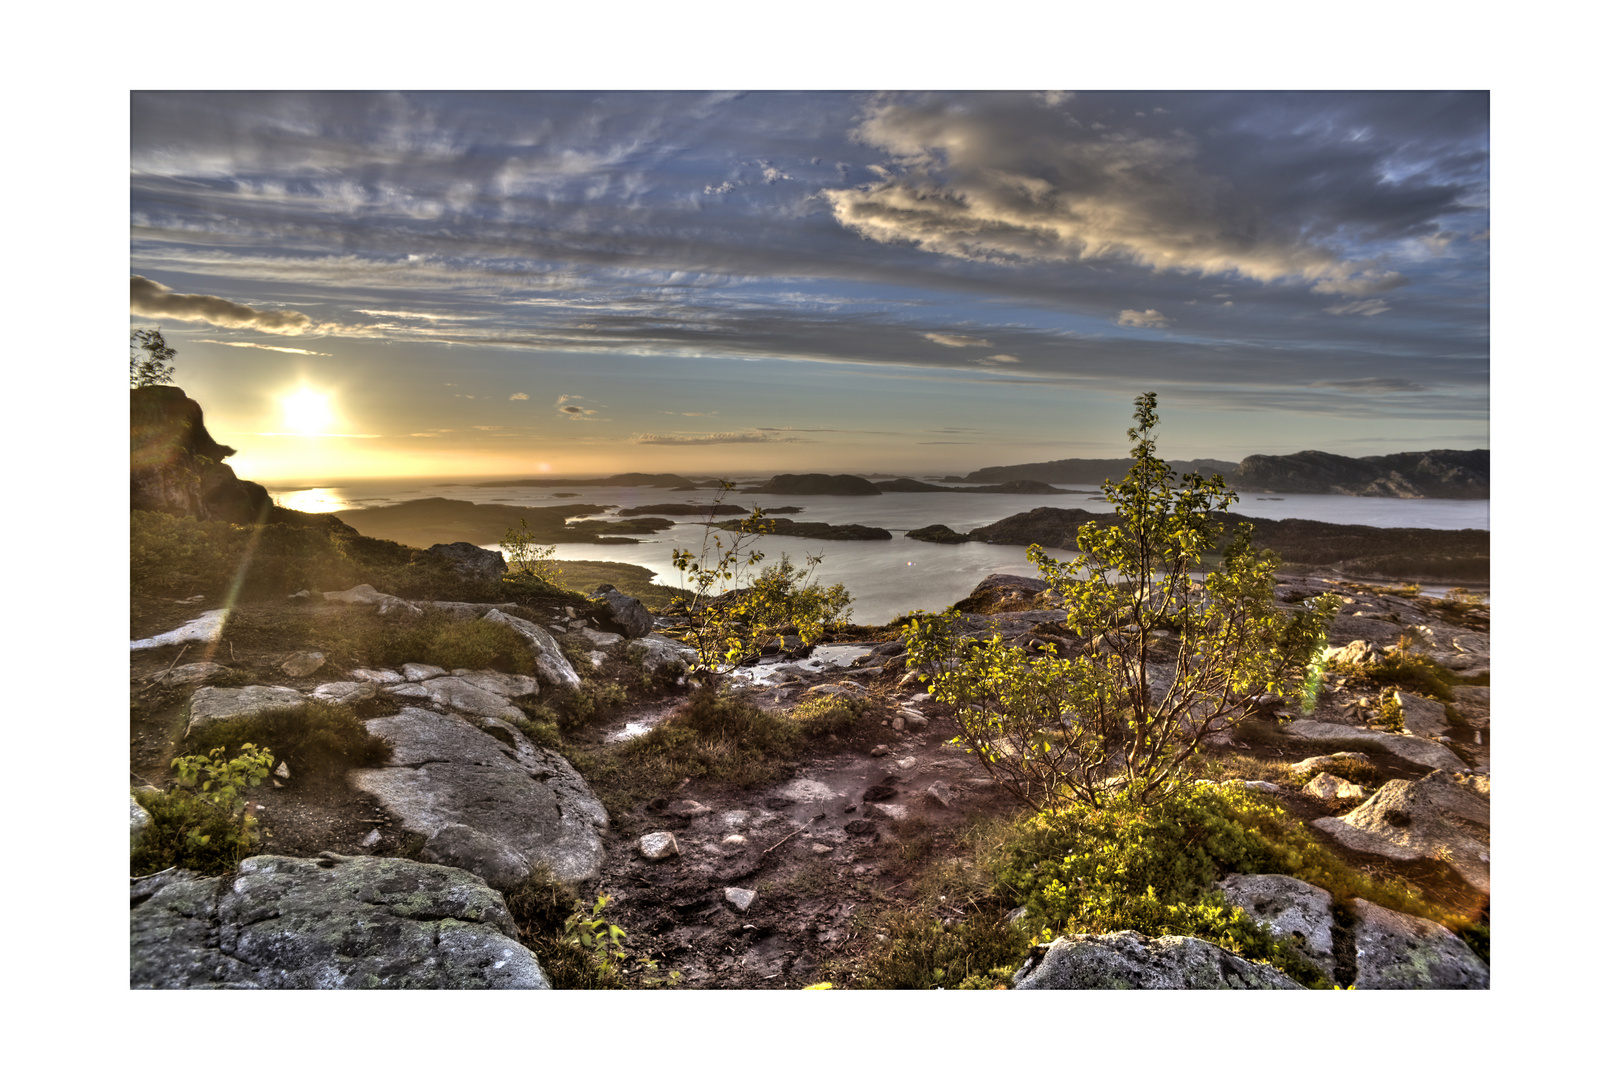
(313, 500)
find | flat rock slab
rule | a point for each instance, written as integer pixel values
(660, 650)
(186, 674)
(205, 627)
(360, 594)
(1395, 951)
(343, 693)
(1127, 960)
(1418, 751)
(461, 695)
(211, 704)
(326, 923)
(418, 672)
(500, 811)
(1291, 909)
(1437, 817)
(507, 686)
(382, 676)
(549, 662)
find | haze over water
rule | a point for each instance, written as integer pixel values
(886, 577)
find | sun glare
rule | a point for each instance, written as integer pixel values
(307, 412)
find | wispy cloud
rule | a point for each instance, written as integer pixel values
(1358, 307)
(1148, 318)
(154, 301)
(256, 345)
(1375, 385)
(714, 438)
(573, 412)
(519, 396)
(958, 341)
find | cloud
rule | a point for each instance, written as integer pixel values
(519, 396)
(713, 438)
(1053, 98)
(957, 341)
(1014, 186)
(1001, 358)
(719, 189)
(154, 301)
(256, 345)
(1358, 307)
(1149, 318)
(1376, 385)
(573, 412)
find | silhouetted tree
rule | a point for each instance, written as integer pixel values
(153, 368)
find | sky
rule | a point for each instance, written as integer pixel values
(578, 283)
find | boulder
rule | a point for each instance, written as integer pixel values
(360, 594)
(418, 672)
(186, 674)
(305, 663)
(211, 704)
(1395, 951)
(622, 614)
(1407, 747)
(1291, 909)
(601, 639)
(1355, 654)
(657, 846)
(1437, 817)
(139, 819)
(1006, 592)
(330, 922)
(498, 810)
(471, 561)
(1333, 788)
(205, 627)
(1127, 960)
(549, 662)
(1422, 715)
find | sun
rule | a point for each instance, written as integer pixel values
(307, 412)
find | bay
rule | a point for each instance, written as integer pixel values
(886, 577)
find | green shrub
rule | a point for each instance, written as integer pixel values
(314, 739)
(826, 714)
(978, 952)
(189, 832)
(592, 702)
(359, 637)
(718, 735)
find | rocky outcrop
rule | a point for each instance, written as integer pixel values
(331, 922)
(1007, 592)
(657, 651)
(499, 807)
(549, 662)
(176, 467)
(1438, 817)
(1418, 751)
(1127, 960)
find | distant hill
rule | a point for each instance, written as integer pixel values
(815, 484)
(1083, 471)
(633, 479)
(1432, 474)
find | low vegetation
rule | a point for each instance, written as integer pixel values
(314, 739)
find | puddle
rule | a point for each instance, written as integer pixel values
(822, 658)
(642, 722)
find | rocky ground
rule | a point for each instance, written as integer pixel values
(771, 886)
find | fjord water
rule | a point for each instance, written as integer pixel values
(886, 577)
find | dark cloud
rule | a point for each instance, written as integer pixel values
(153, 301)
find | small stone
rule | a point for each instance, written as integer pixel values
(373, 838)
(688, 808)
(940, 792)
(376, 675)
(735, 838)
(1326, 760)
(658, 846)
(596, 658)
(139, 819)
(1332, 788)
(880, 750)
(283, 772)
(820, 849)
(912, 717)
(899, 723)
(894, 811)
(741, 899)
